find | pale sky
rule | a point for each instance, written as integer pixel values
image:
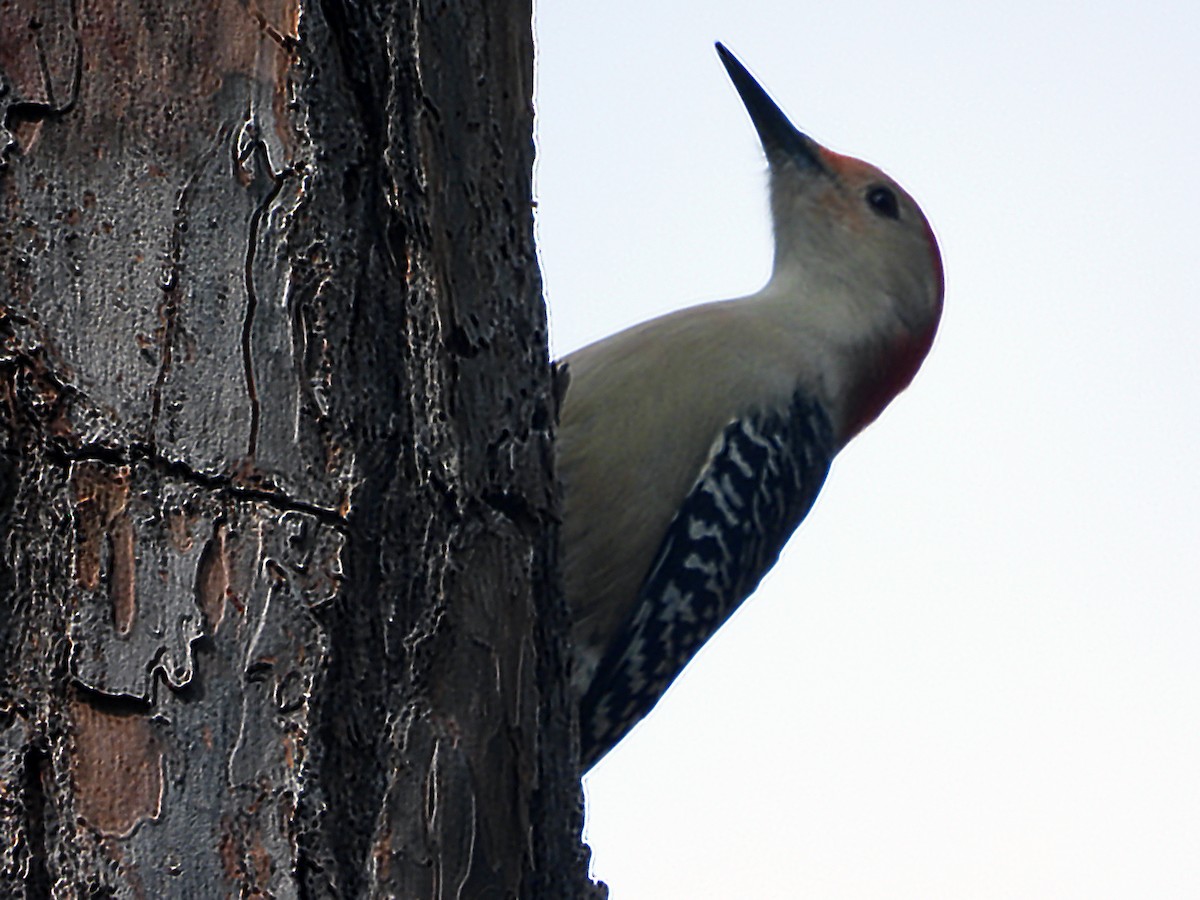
(975, 672)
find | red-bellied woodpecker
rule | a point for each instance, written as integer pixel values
(692, 445)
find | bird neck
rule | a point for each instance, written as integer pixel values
(858, 355)
(881, 379)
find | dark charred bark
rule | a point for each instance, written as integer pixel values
(277, 605)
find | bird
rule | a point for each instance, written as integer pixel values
(691, 446)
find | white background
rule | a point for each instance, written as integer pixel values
(975, 673)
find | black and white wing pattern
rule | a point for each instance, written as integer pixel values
(761, 479)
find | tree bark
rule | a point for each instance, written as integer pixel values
(279, 614)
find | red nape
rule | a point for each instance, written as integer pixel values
(894, 374)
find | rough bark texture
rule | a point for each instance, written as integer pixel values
(275, 457)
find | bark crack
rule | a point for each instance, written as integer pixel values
(288, 43)
(34, 800)
(56, 395)
(255, 157)
(222, 485)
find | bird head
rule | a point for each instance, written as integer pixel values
(852, 246)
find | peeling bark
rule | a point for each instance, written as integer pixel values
(278, 612)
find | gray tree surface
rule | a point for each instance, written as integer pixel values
(277, 605)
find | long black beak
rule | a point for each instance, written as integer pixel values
(778, 136)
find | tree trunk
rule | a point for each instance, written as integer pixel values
(278, 610)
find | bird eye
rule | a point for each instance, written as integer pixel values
(883, 201)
